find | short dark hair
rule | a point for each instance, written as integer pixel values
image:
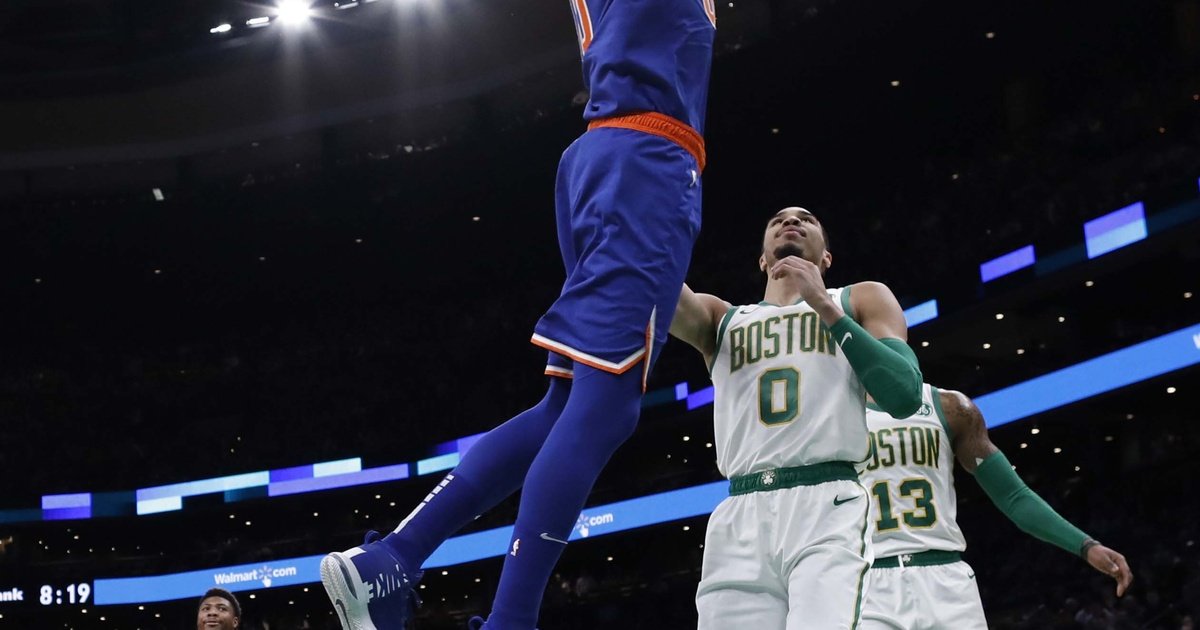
(824, 230)
(225, 595)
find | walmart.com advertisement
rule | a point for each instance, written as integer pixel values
(140, 590)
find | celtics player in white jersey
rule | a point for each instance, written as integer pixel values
(789, 548)
(918, 580)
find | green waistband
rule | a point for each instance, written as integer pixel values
(923, 559)
(780, 478)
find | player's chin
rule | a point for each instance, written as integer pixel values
(789, 247)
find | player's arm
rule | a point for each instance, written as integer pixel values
(892, 374)
(697, 318)
(873, 335)
(980, 457)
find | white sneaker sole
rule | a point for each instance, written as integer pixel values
(339, 577)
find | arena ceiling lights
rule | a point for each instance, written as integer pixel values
(290, 13)
(293, 12)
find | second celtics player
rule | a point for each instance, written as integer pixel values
(918, 579)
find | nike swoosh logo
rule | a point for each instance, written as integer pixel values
(839, 500)
(847, 337)
(745, 312)
(546, 536)
(971, 576)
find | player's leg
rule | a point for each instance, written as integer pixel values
(490, 471)
(601, 414)
(739, 587)
(949, 595)
(634, 214)
(828, 567)
(883, 601)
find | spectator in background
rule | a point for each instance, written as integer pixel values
(219, 610)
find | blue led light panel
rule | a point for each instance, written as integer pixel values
(1006, 264)
(921, 313)
(1115, 230)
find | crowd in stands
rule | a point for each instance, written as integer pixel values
(380, 349)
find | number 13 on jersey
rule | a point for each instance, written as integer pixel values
(923, 514)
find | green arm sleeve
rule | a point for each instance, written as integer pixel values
(887, 367)
(1024, 507)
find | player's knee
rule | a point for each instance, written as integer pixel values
(556, 396)
(617, 421)
(621, 426)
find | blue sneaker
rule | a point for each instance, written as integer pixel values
(369, 587)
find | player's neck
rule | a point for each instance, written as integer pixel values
(782, 291)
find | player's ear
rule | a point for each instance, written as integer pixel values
(826, 261)
(762, 262)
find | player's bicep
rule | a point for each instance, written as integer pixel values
(877, 310)
(970, 437)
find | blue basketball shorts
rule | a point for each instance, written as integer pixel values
(627, 205)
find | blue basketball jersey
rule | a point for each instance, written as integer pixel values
(646, 55)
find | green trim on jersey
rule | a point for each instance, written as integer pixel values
(858, 603)
(846, 301)
(936, 395)
(873, 407)
(721, 335)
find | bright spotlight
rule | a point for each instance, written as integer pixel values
(223, 28)
(293, 11)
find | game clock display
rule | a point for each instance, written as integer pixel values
(79, 593)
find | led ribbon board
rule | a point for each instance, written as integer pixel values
(1105, 373)
(596, 521)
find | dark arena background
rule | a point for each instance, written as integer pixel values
(266, 270)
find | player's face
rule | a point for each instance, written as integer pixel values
(216, 614)
(794, 232)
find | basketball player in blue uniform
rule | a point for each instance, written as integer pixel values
(627, 204)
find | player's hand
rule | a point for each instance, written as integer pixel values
(807, 277)
(1112, 564)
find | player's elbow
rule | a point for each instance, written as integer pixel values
(905, 407)
(900, 395)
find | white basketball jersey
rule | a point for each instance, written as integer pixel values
(785, 395)
(910, 476)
